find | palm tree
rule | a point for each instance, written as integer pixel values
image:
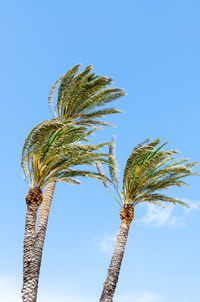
(82, 100)
(48, 156)
(148, 170)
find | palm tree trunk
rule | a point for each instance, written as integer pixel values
(41, 227)
(33, 200)
(126, 215)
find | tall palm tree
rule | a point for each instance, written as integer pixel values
(48, 156)
(148, 170)
(81, 99)
(77, 99)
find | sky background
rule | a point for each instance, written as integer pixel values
(151, 49)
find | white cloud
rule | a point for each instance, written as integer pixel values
(140, 297)
(107, 243)
(159, 217)
(193, 205)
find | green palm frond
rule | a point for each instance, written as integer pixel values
(143, 173)
(91, 123)
(113, 163)
(149, 170)
(136, 159)
(146, 197)
(65, 79)
(84, 173)
(106, 184)
(67, 179)
(50, 151)
(80, 95)
(101, 172)
(100, 113)
(37, 134)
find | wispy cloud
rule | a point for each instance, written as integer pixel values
(106, 244)
(158, 216)
(193, 205)
(140, 297)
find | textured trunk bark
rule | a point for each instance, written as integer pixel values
(41, 228)
(33, 200)
(115, 264)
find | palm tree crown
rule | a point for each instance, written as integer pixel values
(81, 97)
(52, 151)
(148, 170)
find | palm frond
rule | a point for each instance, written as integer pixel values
(101, 172)
(52, 91)
(92, 122)
(113, 163)
(58, 150)
(79, 96)
(66, 81)
(137, 157)
(146, 197)
(37, 134)
(100, 113)
(105, 183)
(149, 170)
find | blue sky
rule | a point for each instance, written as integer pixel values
(151, 49)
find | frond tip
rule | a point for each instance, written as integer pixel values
(113, 163)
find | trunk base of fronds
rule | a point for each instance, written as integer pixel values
(34, 197)
(127, 213)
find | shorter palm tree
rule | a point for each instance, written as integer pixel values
(52, 152)
(148, 170)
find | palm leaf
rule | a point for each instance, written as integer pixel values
(149, 170)
(80, 95)
(60, 149)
